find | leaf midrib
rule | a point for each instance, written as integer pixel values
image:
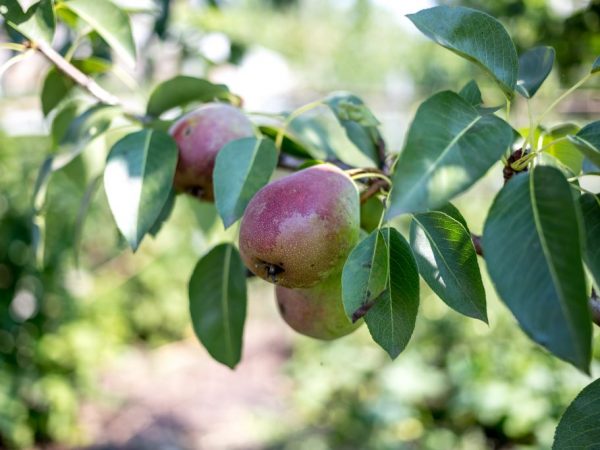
(549, 263)
(442, 155)
(439, 252)
(225, 303)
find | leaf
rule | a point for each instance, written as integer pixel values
(590, 209)
(137, 179)
(392, 318)
(63, 118)
(37, 24)
(531, 243)
(81, 131)
(563, 150)
(164, 215)
(55, 89)
(448, 148)
(579, 427)
(448, 262)
(587, 141)
(534, 67)
(471, 93)
(590, 168)
(290, 145)
(358, 121)
(242, 167)
(591, 152)
(217, 292)
(364, 276)
(596, 65)
(475, 36)
(181, 90)
(84, 207)
(110, 22)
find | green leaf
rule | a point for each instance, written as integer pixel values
(364, 276)
(532, 248)
(110, 22)
(591, 152)
(93, 65)
(564, 150)
(590, 208)
(448, 262)
(534, 67)
(37, 24)
(596, 65)
(579, 427)
(290, 145)
(242, 167)
(164, 215)
(181, 90)
(217, 293)
(475, 36)
(587, 141)
(55, 89)
(137, 179)
(472, 94)
(448, 148)
(391, 320)
(63, 118)
(81, 131)
(358, 121)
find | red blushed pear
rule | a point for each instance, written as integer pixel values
(298, 231)
(200, 135)
(318, 311)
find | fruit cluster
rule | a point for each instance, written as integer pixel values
(296, 231)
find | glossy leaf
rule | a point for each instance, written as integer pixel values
(475, 36)
(391, 320)
(590, 209)
(181, 90)
(579, 427)
(587, 140)
(137, 179)
(55, 89)
(37, 23)
(217, 293)
(591, 152)
(534, 67)
(290, 144)
(563, 149)
(448, 148)
(364, 276)
(472, 94)
(242, 167)
(164, 215)
(358, 121)
(82, 130)
(110, 22)
(448, 262)
(532, 248)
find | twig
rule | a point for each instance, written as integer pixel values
(373, 189)
(74, 73)
(477, 244)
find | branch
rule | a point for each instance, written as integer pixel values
(74, 73)
(476, 239)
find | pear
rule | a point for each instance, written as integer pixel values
(298, 231)
(318, 311)
(200, 135)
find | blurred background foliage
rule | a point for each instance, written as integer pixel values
(65, 320)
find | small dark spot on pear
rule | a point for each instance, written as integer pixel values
(195, 191)
(187, 131)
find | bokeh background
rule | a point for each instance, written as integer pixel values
(96, 346)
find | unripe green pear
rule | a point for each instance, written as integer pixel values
(318, 311)
(298, 231)
(370, 214)
(200, 135)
